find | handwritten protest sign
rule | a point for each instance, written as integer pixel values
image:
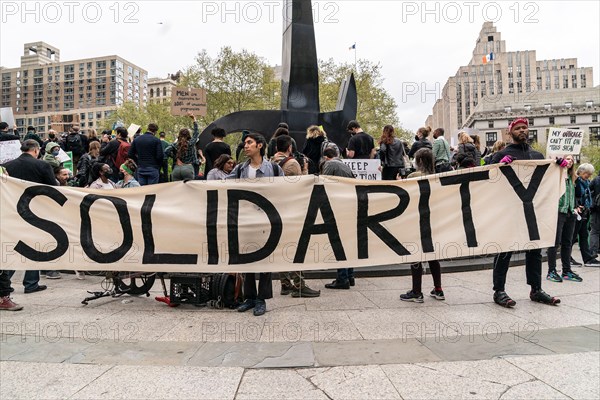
(564, 141)
(185, 100)
(9, 150)
(6, 115)
(365, 169)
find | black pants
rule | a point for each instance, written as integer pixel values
(265, 286)
(417, 275)
(581, 234)
(389, 173)
(4, 284)
(533, 269)
(564, 235)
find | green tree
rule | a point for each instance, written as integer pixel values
(159, 113)
(234, 81)
(376, 106)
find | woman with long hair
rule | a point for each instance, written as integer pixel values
(466, 147)
(183, 151)
(84, 167)
(127, 170)
(312, 147)
(223, 167)
(425, 165)
(498, 145)
(567, 214)
(391, 154)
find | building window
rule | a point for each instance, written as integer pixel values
(551, 120)
(594, 134)
(573, 119)
(164, 91)
(490, 138)
(594, 117)
(531, 121)
(490, 124)
(151, 92)
(533, 137)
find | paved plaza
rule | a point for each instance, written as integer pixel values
(362, 343)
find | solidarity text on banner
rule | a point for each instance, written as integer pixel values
(280, 224)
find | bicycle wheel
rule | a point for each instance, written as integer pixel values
(134, 283)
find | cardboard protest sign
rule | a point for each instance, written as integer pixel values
(63, 156)
(9, 150)
(280, 224)
(133, 128)
(365, 169)
(562, 142)
(184, 100)
(6, 115)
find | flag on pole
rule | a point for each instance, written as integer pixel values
(353, 47)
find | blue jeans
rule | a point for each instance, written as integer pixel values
(343, 274)
(147, 176)
(30, 280)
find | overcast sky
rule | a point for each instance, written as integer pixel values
(420, 44)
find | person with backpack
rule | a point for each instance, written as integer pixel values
(467, 148)
(115, 152)
(76, 143)
(256, 167)
(183, 151)
(441, 152)
(84, 168)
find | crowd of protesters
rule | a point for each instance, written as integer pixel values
(115, 160)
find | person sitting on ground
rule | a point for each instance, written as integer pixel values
(127, 172)
(222, 168)
(424, 162)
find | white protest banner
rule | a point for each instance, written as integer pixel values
(63, 156)
(564, 141)
(184, 100)
(6, 115)
(365, 169)
(133, 128)
(282, 223)
(9, 150)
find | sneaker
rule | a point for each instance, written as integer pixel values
(305, 291)
(7, 304)
(438, 294)
(575, 263)
(286, 289)
(542, 297)
(260, 308)
(502, 299)
(571, 276)
(592, 263)
(412, 296)
(80, 275)
(554, 277)
(53, 275)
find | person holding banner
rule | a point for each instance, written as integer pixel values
(255, 146)
(424, 162)
(567, 212)
(520, 150)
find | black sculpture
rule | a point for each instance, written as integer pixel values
(299, 89)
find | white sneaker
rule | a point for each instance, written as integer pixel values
(80, 275)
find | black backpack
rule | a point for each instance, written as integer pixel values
(74, 145)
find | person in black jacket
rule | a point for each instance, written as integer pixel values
(422, 141)
(29, 168)
(5, 134)
(519, 150)
(147, 151)
(595, 216)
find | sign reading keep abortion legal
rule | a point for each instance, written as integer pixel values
(281, 223)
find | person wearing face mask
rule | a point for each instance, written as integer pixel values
(126, 175)
(51, 156)
(100, 174)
